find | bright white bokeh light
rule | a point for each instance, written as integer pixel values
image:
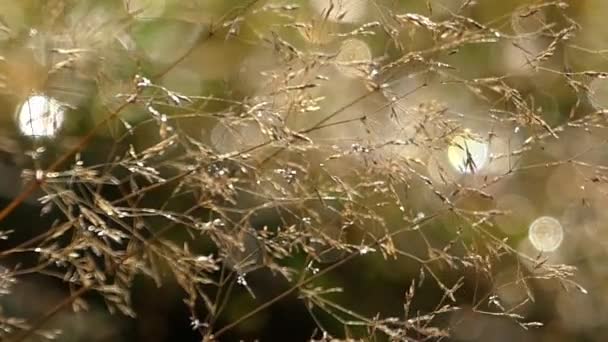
(346, 11)
(546, 234)
(40, 116)
(467, 155)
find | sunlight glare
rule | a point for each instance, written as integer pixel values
(467, 155)
(40, 116)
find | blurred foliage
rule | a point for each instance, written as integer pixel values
(319, 170)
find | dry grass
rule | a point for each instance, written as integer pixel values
(327, 145)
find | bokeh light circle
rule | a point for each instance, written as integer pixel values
(546, 234)
(40, 116)
(467, 155)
